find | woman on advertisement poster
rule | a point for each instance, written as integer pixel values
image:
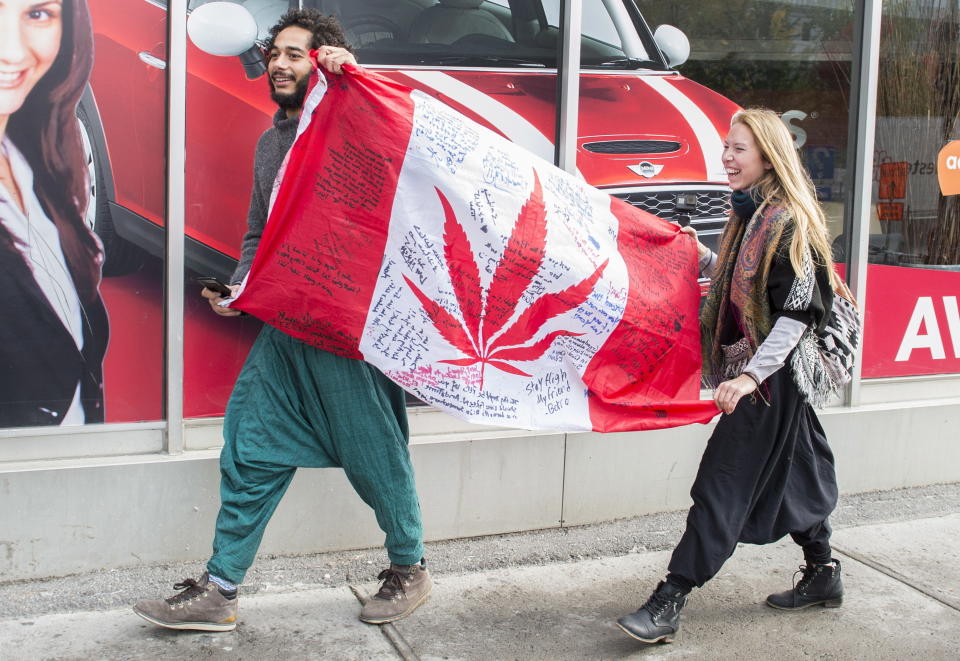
(54, 329)
(767, 470)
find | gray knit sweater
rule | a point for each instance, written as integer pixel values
(272, 146)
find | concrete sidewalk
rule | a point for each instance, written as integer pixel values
(902, 600)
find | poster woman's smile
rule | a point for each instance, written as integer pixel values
(30, 33)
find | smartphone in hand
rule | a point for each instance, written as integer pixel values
(213, 284)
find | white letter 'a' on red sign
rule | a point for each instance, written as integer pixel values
(924, 315)
(953, 322)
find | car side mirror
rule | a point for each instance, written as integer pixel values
(227, 29)
(673, 43)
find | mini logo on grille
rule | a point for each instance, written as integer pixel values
(646, 169)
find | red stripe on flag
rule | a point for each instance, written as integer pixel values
(647, 374)
(335, 199)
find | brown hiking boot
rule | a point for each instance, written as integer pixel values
(202, 606)
(404, 588)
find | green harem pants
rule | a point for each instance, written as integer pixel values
(294, 405)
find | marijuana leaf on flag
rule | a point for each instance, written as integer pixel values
(521, 261)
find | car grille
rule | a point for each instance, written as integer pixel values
(711, 204)
(632, 147)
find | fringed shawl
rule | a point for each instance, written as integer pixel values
(740, 281)
(740, 300)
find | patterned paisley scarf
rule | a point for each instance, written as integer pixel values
(738, 295)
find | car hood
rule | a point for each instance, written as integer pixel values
(635, 128)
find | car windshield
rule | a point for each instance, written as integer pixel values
(477, 33)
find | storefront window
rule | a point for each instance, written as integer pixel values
(228, 107)
(646, 134)
(495, 61)
(126, 118)
(914, 251)
(81, 219)
(792, 56)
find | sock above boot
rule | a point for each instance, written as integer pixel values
(226, 587)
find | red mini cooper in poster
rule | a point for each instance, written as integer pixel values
(646, 133)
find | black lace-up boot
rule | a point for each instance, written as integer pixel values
(659, 618)
(818, 585)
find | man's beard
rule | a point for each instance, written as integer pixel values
(294, 100)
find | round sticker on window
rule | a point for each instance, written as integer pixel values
(948, 168)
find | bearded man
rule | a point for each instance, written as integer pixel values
(294, 405)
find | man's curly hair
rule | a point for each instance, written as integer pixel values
(326, 30)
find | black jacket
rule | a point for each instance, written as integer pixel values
(39, 360)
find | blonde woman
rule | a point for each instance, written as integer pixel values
(767, 470)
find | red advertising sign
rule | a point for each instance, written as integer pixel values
(893, 180)
(890, 211)
(912, 324)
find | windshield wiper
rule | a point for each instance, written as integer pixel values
(622, 63)
(482, 60)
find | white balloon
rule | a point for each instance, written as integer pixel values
(222, 28)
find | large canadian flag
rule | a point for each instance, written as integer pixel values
(482, 279)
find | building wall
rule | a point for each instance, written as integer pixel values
(112, 498)
(83, 514)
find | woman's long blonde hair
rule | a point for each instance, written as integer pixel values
(788, 183)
